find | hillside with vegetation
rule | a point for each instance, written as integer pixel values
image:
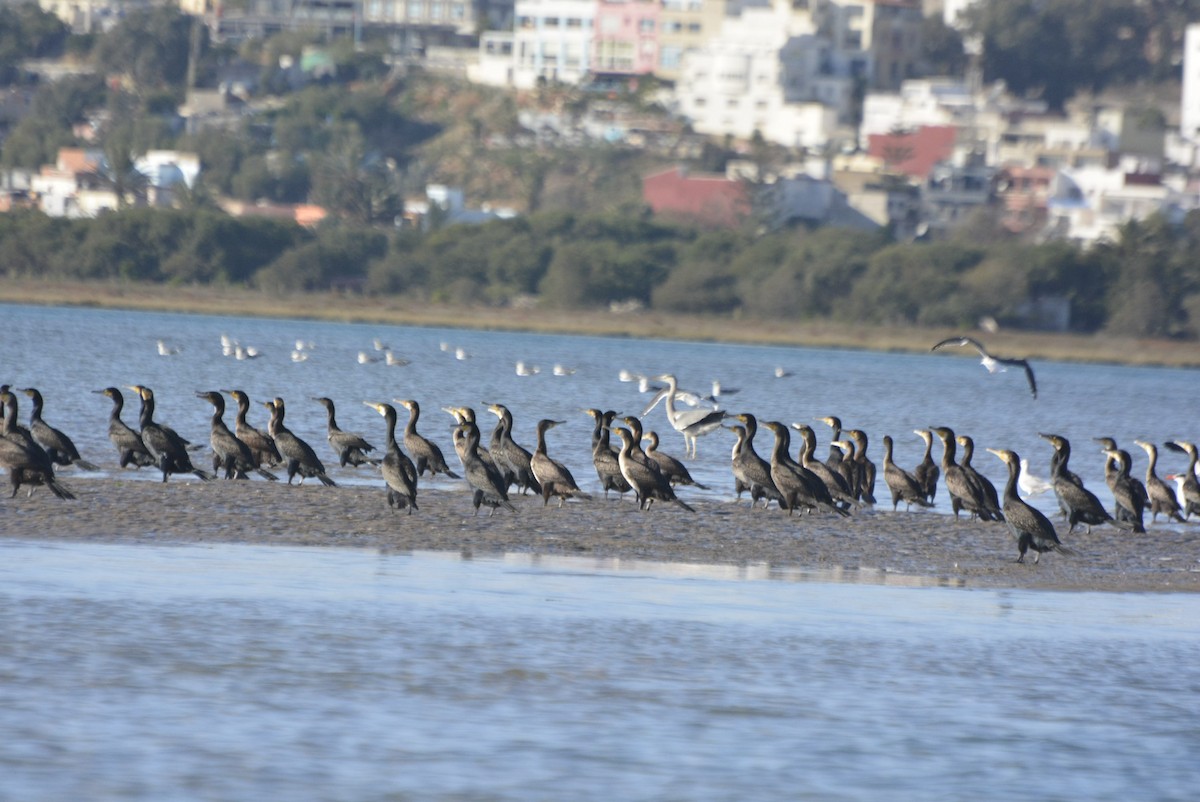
(361, 142)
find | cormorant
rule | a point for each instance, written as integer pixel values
(169, 449)
(301, 459)
(964, 494)
(229, 452)
(927, 472)
(262, 447)
(128, 442)
(750, 471)
(989, 489)
(993, 363)
(58, 446)
(1079, 503)
(483, 477)
(425, 453)
(350, 447)
(1131, 506)
(398, 470)
(1162, 497)
(26, 462)
(1029, 526)
(673, 469)
(835, 483)
(798, 485)
(1112, 469)
(512, 460)
(604, 456)
(835, 454)
(691, 423)
(647, 482)
(553, 477)
(902, 484)
(864, 469)
(1189, 487)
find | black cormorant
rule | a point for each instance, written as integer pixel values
(964, 494)
(864, 468)
(350, 447)
(424, 452)
(398, 470)
(58, 446)
(993, 363)
(229, 453)
(300, 457)
(1127, 495)
(1029, 526)
(643, 476)
(989, 489)
(604, 456)
(128, 442)
(835, 483)
(750, 471)
(1078, 503)
(552, 476)
(926, 471)
(26, 462)
(1189, 487)
(512, 459)
(1162, 497)
(902, 484)
(673, 469)
(169, 449)
(483, 477)
(262, 447)
(799, 486)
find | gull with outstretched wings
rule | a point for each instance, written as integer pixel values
(993, 363)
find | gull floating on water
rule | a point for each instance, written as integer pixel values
(525, 369)
(167, 350)
(461, 354)
(782, 373)
(246, 352)
(395, 361)
(563, 370)
(366, 359)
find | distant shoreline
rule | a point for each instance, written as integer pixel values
(400, 311)
(872, 546)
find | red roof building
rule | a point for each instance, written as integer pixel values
(705, 198)
(913, 153)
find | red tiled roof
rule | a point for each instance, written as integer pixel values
(705, 197)
(914, 153)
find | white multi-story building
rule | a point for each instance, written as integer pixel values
(552, 41)
(1190, 100)
(765, 71)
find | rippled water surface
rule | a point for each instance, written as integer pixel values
(231, 673)
(240, 672)
(70, 352)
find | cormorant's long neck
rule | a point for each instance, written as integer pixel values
(10, 416)
(390, 419)
(115, 415)
(968, 452)
(331, 418)
(146, 418)
(887, 452)
(1152, 455)
(414, 412)
(751, 429)
(597, 431)
(1010, 487)
(780, 449)
(948, 450)
(541, 440)
(35, 408)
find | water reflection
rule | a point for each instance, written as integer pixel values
(235, 672)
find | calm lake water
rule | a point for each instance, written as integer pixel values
(229, 673)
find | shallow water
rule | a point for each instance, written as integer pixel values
(239, 672)
(70, 352)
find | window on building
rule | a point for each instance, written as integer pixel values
(550, 22)
(416, 9)
(700, 102)
(669, 57)
(436, 10)
(574, 23)
(694, 27)
(458, 11)
(646, 26)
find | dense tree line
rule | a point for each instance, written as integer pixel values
(1145, 284)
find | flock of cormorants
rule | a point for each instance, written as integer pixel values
(837, 485)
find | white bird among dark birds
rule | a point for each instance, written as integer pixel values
(167, 350)
(993, 363)
(1029, 484)
(394, 361)
(691, 423)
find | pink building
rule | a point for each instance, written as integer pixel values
(626, 37)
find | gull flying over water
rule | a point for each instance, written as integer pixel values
(993, 363)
